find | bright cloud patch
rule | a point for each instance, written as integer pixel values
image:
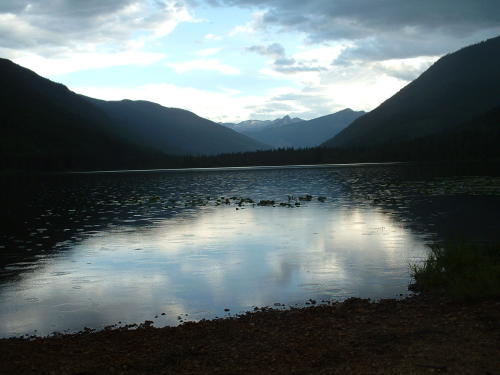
(406, 69)
(52, 67)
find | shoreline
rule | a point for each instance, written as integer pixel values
(414, 335)
(184, 317)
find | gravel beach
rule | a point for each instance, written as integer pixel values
(416, 335)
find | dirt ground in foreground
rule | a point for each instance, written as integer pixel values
(418, 335)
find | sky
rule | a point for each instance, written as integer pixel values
(233, 60)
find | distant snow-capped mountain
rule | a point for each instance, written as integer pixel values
(250, 126)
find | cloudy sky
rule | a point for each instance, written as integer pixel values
(231, 60)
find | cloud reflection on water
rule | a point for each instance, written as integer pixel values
(200, 262)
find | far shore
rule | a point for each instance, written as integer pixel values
(241, 168)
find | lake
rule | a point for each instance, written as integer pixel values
(96, 249)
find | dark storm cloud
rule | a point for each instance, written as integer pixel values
(350, 18)
(387, 28)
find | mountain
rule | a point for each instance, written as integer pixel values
(475, 139)
(456, 89)
(172, 130)
(44, 125)
(306, 133)
(249, 126)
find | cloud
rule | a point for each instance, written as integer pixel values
(251, 26)
(305, 103)
(405, 69)
(284, 61)
(204, 64)
(304, 94)
(314, 60)
(382, 29)
(218, 105)
(328, 86)
(328, 54)
(350, 19)
(86, 60)
(360, 53)
(274, 50)
(61, 27)
(225, 104)
(212, 37)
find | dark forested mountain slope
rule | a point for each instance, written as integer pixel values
(44, 125)
(457, 88)
(173, 130)
(306, 133)
(475, 139)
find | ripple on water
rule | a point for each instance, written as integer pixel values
(70, 307)
(59, 273)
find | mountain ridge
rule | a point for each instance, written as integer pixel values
(453, 107)
(46, 125)
(177, 130)
(456, 88)
(249, 126)
(310, 133)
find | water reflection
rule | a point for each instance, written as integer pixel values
(202, 262)
(93, 250)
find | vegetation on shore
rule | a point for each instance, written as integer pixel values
(463, 271)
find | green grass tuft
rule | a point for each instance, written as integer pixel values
(462, 271)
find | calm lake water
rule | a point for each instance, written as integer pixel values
(91, 250)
